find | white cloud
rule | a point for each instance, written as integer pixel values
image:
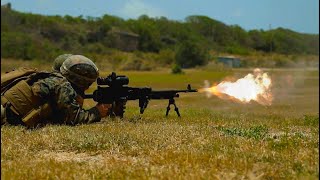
(135, 8)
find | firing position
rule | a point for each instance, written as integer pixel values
(32, 98)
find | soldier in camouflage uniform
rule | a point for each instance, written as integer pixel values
(57, 63)
(54, 98)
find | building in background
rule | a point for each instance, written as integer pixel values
(123, 40)
(230, 61)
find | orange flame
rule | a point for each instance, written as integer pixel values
(253, 87)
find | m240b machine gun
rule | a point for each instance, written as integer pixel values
(114, 89)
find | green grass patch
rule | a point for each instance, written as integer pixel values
(311, 120)
(256, 132)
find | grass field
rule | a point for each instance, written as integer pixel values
(214, 138)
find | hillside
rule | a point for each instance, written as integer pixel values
(31, 36)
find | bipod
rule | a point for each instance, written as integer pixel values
(172, 101)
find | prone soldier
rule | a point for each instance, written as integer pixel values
(44, 97)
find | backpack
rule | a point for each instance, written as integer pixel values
(16, 89)
(13, 77)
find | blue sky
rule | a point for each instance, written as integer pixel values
(298, 15)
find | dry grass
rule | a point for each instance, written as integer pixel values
(214, 139)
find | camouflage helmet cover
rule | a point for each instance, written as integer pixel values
(79, 70)
(59, 60)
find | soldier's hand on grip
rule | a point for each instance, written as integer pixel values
(119, 108)
(103, 109)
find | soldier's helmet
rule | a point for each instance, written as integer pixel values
(59, 60)
(80, 71)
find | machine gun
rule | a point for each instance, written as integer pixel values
(114, 89)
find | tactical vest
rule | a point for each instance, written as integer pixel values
(16, 94)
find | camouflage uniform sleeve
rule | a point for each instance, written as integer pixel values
(64, 96)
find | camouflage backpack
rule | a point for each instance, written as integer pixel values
(16, 94)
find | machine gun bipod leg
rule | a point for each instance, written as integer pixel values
(172, 101)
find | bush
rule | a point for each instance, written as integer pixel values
(18, 45)
(176, 69)
(191, 54)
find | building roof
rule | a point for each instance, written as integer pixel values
(122, 32)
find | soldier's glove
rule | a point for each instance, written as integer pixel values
(119, 108)
(79, 100)
(103, 109)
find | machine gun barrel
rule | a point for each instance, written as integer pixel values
(168, 94)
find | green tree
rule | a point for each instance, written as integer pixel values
(191, 54)
(149, 36)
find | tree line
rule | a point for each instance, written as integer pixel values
(32, 36)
